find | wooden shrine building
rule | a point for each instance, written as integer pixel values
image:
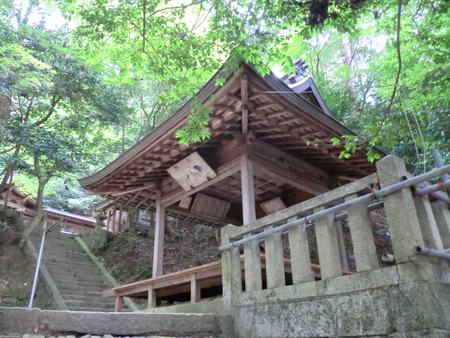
(269, 149)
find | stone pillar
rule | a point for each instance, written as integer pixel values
(341, 245)
(274, 260)
(430, 231)
(300, 260)
(362, 236)
(327, 245)
(160, 218)
(442, 218)
(231, 269)
(400, 209)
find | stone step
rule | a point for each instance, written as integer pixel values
(98, 298)
(89, 304)
(80, 284)
(76, 279)
(81, 292)
(90, 309)
(72, 265)
(74, 289)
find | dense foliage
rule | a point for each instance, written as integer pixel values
(73, 99)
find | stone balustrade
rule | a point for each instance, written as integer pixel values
(411, 220)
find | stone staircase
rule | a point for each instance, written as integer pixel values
(77, 277)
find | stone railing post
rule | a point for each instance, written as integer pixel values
(328, 247)
(442, 218)
(400, 209)
(362, 236)
(300, 260)
(274, 260)
(231, 270)
(430, 231)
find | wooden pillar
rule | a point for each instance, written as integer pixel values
(151, 297)
(119, 223)
(195, 289)
(327, 245)
(252, 258)
(108, 222)
(300, 260)
(362, 236)
(119, 304)
(44, 222)
(160, 219)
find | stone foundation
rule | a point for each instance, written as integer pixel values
(408, 300)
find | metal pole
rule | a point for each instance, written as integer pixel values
(36, 275)
(440, 197)
(439, 164)
(432, 253)
(433, 188)
(38, 265)
(366, 198)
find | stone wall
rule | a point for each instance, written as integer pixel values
(96, 239)
(14, 321)
(408, 300)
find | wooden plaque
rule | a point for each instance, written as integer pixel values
(191, 171)
(273, 205)
(210, 206)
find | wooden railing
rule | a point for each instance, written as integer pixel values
(412, 222)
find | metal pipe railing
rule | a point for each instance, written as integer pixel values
(38, 265)
(432, 253)
(439, 164)
(366, 198)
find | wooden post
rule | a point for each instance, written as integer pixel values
(195, 289)
(119, 223)
(151, 297)
(231, 269)
(114, 219)
(108, 222)
(300, 260)
(274, 260)
(327, 245)
(252, 259)
(151, 228)
(362, 236)
(160, 218)
(400, 210)
(44, 221)
(119, 304)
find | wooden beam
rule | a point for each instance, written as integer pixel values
(244, 100)
(283, 175)
(159, 237)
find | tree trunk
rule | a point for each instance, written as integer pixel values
(39, 211)
(347, 51)
(5, 110)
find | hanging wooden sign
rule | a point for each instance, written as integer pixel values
(191, 171)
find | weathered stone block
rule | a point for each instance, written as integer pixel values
(414, 307)
(364, 313)
(271, 321)
(315, 318)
